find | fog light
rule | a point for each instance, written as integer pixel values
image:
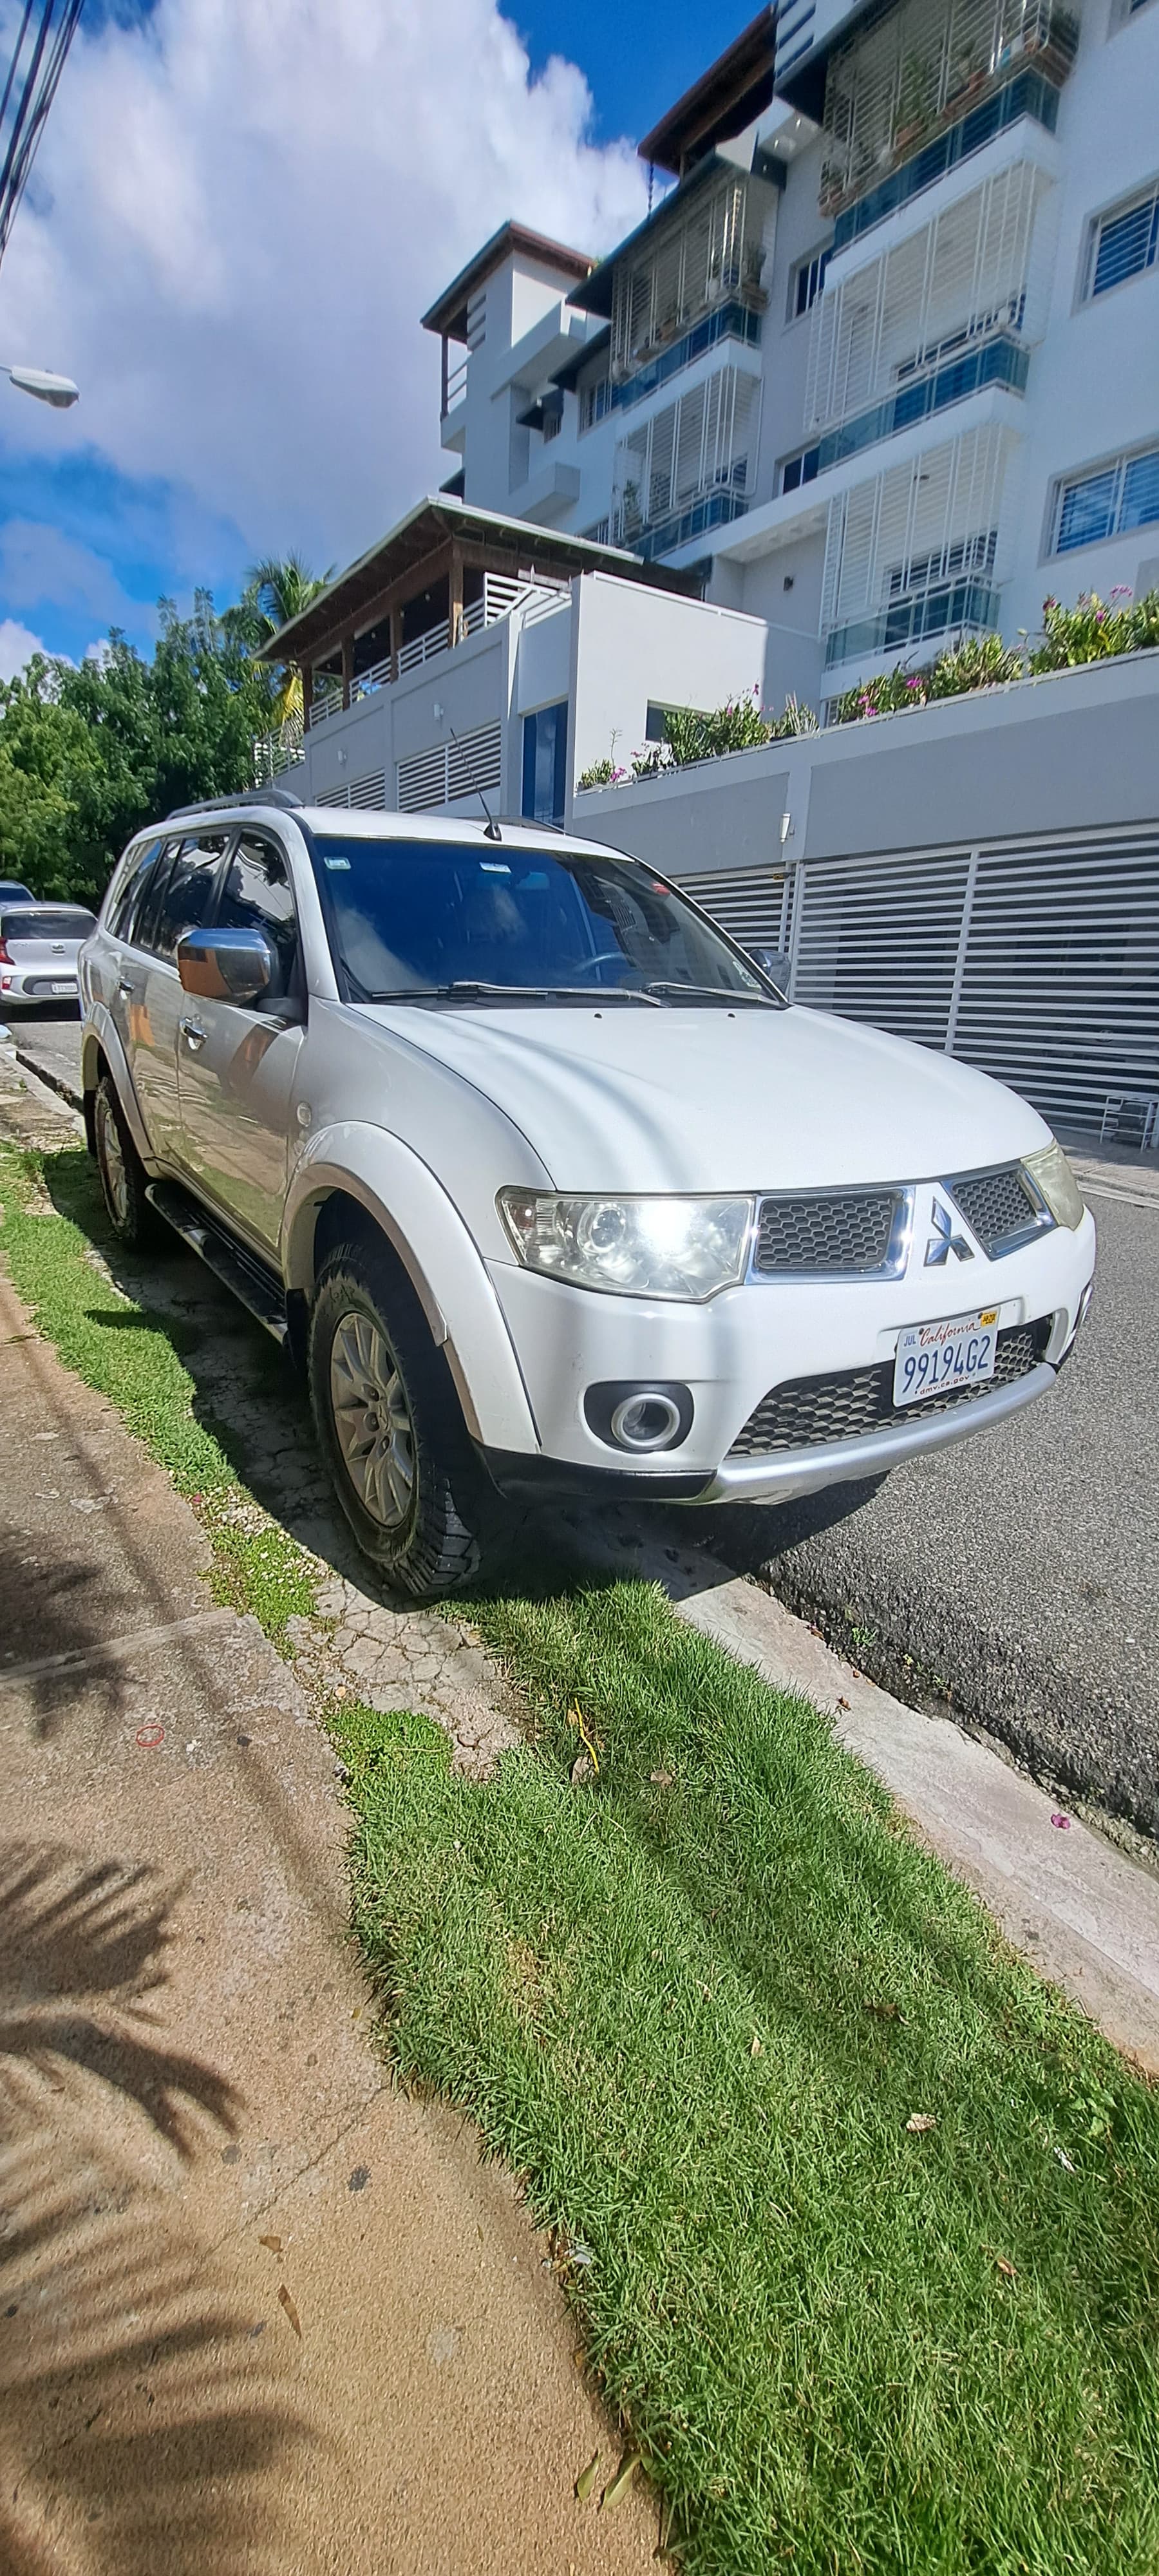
(639, 1418)
(645, 1422)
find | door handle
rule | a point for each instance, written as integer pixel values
(193, 1034)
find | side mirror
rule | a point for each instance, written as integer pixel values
(773, 962)
(226, 965)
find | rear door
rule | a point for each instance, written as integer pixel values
(236, 1062)
(181, 894)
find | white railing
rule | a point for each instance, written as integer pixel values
(277, 751)
(501, 595)
(455, 383)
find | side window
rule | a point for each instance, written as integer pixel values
(187, 896)
(145, 895)
(257, 895)
(126, 886)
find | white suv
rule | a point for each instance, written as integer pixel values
(545, 1182)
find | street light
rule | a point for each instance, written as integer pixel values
(60, 391)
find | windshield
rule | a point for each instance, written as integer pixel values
(425, 920)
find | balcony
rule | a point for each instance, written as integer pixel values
(931, 82)
(1001, 361)
(911, 551)
(961, 606)
(689, 468)
(500, 596)
(705, 249)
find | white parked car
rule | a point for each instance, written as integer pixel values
(39, 947)
(544, 1180)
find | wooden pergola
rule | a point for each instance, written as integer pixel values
(442, 549)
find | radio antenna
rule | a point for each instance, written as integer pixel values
(492, 832)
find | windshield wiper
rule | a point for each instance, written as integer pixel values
(471, 989)
(712, 993)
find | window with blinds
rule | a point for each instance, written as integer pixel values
(1123, 244)
(712, 248)
(981, 267)
(472, 766)
(920, 67)
(1108, 502)
(914, 527)
(702, 442)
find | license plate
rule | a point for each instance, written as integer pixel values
(937, 1359)
(63, 988)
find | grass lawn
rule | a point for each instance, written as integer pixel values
(698, 2000)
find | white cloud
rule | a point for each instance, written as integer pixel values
(40, 565)
(244, 207)
(17, 647)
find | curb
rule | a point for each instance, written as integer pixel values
(58, 1082)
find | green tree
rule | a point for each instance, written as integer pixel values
(88, 755)
(276, 590)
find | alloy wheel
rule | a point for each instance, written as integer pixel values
(114, 1172)
(372, 1419)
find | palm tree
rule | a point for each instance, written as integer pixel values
(276, 590)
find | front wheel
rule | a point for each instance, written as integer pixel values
(389, 1427)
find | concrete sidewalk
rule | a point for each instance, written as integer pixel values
(259, 2312)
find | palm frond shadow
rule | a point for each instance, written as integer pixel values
(136, 2402)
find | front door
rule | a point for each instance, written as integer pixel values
(181, 896)
(236, 1062)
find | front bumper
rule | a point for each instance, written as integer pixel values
(731, 1352)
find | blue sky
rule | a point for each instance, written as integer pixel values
(233, 225)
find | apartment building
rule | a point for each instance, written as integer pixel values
(881, 367)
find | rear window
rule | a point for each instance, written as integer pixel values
(41, 921)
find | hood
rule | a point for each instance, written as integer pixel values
(706, 1099)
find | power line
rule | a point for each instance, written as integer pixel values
(46, 31)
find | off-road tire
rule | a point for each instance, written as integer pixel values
(435, 1548)
(134, 1222)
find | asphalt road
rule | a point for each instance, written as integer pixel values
(1015, 1578)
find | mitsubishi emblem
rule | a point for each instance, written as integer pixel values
(943, 1241)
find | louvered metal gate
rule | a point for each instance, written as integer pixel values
(1037, 961)
(748, 902)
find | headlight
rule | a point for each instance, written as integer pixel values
(655, 1247)
(1052, 1175)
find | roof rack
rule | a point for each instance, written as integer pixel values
(284, 796)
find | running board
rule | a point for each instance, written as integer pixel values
(238, 1270)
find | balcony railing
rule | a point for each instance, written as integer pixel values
(1001, 361)
(962, 604)
(276, 752)
(501, 595)
(895, 93)
(455, 382)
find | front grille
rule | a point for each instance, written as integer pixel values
(997, 1207)
(809, 1412)
(826, 1232)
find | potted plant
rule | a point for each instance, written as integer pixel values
(968, 74)
(915, 103)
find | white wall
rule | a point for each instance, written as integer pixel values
(631, 645)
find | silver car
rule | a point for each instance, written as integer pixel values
(39, 945)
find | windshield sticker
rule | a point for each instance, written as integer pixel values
(337, 863)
